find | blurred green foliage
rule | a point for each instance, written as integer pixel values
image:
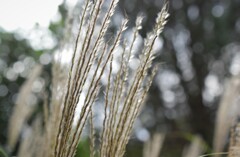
(83, 149)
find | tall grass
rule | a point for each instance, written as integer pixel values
(79, 85)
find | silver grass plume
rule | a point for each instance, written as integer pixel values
(125, 92)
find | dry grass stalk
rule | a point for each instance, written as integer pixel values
(152, 147)
(125, 101)
(23, 108)
(227, 113)
(33, 141)
(196, 148)
(79, 70)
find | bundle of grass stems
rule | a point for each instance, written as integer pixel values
(58, 132)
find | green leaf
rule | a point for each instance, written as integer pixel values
(83, 149)
(3, 153)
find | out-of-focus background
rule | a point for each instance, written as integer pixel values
(199, 55)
